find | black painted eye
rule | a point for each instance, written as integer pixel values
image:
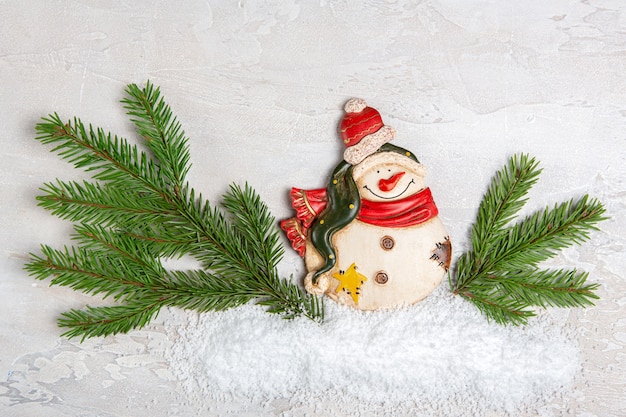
(378, 171)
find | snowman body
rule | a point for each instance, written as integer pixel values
(398, 262)
(403, 274)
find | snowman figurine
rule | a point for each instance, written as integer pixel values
(372, 238)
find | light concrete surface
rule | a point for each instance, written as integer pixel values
(259, 87)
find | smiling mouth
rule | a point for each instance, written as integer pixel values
(394, 196)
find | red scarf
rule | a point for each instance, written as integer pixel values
(409, 211)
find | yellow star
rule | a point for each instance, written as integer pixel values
(350, 281)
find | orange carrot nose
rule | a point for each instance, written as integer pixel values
(389, 184)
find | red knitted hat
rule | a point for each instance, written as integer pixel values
(359, 121)
(362, 130)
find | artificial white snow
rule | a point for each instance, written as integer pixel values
(437, 357)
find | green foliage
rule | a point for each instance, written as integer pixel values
(501, 273)
(139, 210)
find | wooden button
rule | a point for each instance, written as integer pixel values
(387, 242)
(381, 277)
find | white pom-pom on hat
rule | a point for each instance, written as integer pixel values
(355, 105)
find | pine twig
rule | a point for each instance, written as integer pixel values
(137, 211)
(501, 273)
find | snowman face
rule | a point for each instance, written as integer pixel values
(389, 176)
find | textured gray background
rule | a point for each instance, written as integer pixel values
(259, 86)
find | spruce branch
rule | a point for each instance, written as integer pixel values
(103, 321)
(80, 270)
(103, 204)
(138, 210)
(111, 158)
(540, 287)
(501, 273)
(503, 199)
(155, 122)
